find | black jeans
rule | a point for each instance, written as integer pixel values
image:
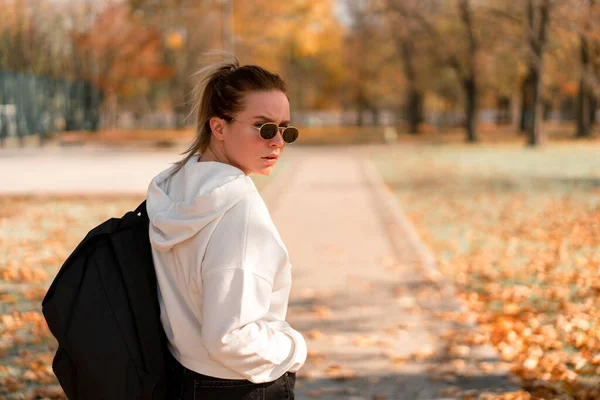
(184, 384)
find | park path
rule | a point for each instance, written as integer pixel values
(80, 170)
(366, 293)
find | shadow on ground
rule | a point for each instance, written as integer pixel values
(399, 386)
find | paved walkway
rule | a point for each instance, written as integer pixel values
(365, 293)
(80, 170)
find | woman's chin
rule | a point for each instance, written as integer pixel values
(265, 171)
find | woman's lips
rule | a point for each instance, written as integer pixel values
(270, 160)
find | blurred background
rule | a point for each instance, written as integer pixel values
(481, 66)
(480, 116)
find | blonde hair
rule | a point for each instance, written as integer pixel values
(219, 91)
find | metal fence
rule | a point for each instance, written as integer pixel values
(37, 105)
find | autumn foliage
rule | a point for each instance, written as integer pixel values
(121, 49)
(520, 240)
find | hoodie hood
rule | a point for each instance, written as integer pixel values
(179, 206)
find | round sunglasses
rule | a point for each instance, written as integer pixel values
(268, 131)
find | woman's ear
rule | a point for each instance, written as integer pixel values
(217, 126)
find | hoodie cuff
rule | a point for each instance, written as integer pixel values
(299, 349)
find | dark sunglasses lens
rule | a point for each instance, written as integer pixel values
(290, 134)
(268, 131)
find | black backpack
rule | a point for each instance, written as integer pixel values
(103, 309)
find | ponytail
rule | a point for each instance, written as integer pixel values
(201, 95)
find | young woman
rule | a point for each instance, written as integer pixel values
(223, 272)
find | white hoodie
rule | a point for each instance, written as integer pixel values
(223, 273)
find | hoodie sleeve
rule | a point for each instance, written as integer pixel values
(239, 329)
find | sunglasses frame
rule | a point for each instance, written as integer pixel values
(281, 129)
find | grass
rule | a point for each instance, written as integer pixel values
(517, 230)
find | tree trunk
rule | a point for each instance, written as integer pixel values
(524, 120)
(470, 75)
(584, 112)
(414, 97)
(547, 107)
(535, 129)
(504, 106)
(595, 70)
(593, 101)
(470, 110)
(362, 106)
(536, 68)
(113, 108)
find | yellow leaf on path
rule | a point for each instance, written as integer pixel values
(336, 371)
(459, 351)
(531, 363)
(11, 384)
(425, 353)
(321, 311)
(511, 309)
(365, 341)
(401, 359)
(50, 392)
(315, 334)
(29, 375)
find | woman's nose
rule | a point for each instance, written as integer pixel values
(278, 140)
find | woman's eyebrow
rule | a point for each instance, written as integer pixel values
(263, 118)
